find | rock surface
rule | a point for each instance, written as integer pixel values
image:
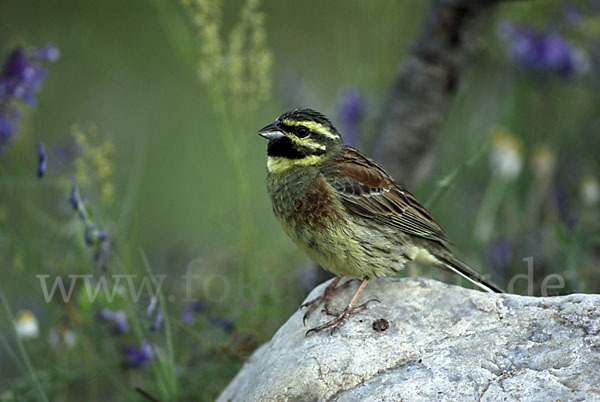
(443, 343)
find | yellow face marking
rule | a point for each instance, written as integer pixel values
(307, 142)
(312, 126)
(278, 164)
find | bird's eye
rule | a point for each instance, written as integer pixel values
(302, 131)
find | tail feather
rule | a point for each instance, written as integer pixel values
(454, 264)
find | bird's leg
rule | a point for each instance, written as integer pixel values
(329, 291)
(350, 309)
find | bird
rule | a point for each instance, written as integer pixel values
(346, 212)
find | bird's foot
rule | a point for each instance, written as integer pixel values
(340, 318)
(331, 290)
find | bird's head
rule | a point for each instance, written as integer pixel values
(300, 137)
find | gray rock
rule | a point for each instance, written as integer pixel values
(443, 343)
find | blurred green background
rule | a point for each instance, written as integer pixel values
(183, 179)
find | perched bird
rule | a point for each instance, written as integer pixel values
(346, 212)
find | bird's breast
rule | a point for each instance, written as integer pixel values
(304, 202)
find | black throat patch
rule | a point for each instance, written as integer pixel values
(286, 148)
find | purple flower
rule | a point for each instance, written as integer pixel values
(41, 159)
(190, 309)
(571, 14)
(74, 195)
(20, 79)
(118, 319)
(150, 311)
(137, 357)
(223, 323)
(10, 115)
(499, 255)
(157, 320)
(544, 51)
(94, 236)
(47, 53)
(351, 111)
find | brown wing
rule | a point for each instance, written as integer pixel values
(367, 190)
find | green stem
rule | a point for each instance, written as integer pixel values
(449, 180)
(168, 369)
(11, 352)
(24, 356)
(488, 210)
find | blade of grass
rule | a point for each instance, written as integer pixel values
(445, 183)
(168, 369)
(24, 356)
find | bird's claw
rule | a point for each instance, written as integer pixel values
(341, 318)
(316, 302)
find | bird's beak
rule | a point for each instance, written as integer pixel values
(272, 131)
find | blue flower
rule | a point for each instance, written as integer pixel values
(157, 320)
(47, 53)
(351, 111)
(544, 51)
(499, 255)
(9, 123)
(118, 319)
(20, 80)
(41, 159)
(223, 323)
(137, 357)
(572, 14)
(190, 309)
(92, 235)
(74, 195)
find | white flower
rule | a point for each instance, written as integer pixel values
(27, 325)
(61, 337)
(506, 158)
(590, 191)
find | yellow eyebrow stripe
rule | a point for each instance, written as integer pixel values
(312, 126)
(307, 142)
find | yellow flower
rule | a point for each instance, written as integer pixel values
(542, 161)
(96, 164)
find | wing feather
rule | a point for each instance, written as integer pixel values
(367, 190)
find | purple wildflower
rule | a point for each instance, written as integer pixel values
(499, 255)
(223, 323)
(157, 320)
(571, 14)
(94, 236)
(151, 307)
(351, 112)
(20, 80)
(47, 53)
(41, 159)
(137, 357)
(542, 50)
(566, 212)
(118, 319)
(105, 315)
(74, 195)
(190, 309)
